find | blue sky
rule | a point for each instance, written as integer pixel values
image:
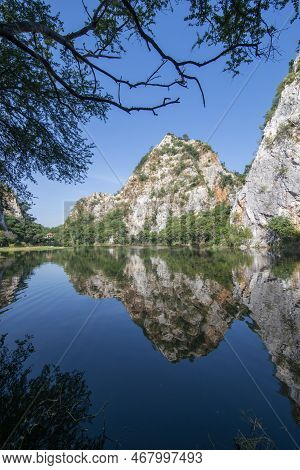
(230, 122)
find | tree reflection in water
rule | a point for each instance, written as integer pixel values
(49, 411)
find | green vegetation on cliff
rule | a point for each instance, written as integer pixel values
(294, 72)
(282, 231)
(85, 230)
(210, 227)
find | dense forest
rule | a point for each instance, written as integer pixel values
(25, 231)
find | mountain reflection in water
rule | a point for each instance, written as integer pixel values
(185, 303)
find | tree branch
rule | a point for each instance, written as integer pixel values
(10, 30)
(76, 94)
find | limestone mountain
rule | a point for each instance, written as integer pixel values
(272, 187)
(180, 180)
(176, 177)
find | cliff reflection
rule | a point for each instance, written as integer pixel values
(271, 291)
(185, 301)
(15, 271)
(181, 300)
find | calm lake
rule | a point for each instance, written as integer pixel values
(149, 349)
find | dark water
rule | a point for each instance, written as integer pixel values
(149, 349)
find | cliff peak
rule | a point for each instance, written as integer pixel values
(176, 177)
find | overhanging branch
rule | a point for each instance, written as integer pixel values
(85, 97)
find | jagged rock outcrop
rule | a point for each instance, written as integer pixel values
(97, 204)
(272, 186)
(174, 178)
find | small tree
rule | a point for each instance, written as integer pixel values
(282, 229)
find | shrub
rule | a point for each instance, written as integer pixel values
(290, 77)
(3, 239)
(161, 193)
(206, 147)
(191, 151)
(226, 180)
(141, 162)
(181, 165)
(248, 167)
(164, 149)
(142, 176)
(197, 180)
(281, 171)
(282, 228)
(262, 189)
(268, 141)
(284, 130)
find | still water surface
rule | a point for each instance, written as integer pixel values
(152, 348)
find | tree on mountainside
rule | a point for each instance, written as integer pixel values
(52, 80)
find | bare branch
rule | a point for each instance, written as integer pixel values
(149, 40)
(84, 97)
(9, 30)
(93, 24)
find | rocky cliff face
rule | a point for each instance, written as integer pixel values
(9, 206)
(272, 187)
(176, 177)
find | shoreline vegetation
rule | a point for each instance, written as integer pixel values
(202, 249)
(285, 249)
(10, 249)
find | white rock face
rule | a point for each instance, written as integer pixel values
(11, 207)
(98, 204)
(176, 177)
(272, 187)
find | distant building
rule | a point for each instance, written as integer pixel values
(49, 235)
